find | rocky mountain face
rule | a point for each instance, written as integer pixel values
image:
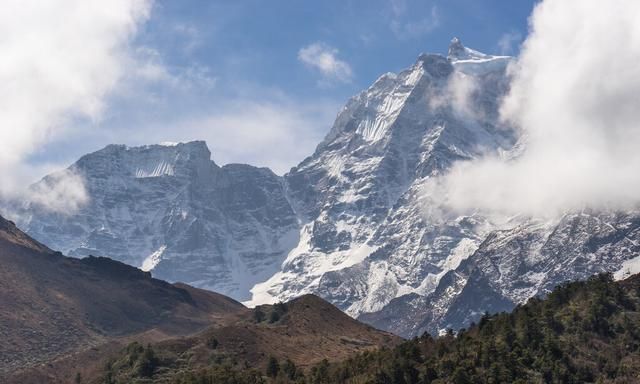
(354, 222)
(512, 265)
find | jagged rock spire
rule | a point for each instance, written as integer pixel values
(456, 49)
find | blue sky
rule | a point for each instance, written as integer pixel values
(258, 41)
(262, 81)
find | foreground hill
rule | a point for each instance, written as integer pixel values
(62, 316)
(582, 332)
(297, 335)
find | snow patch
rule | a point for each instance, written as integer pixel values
(153, 259)
(163, 168)
(629, 267)
(483, 66)
(386, 105)
(334, 166)
(465, 248)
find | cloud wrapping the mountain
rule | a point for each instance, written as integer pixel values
(508, 41)
(575, 99)
(61, 192)
(60, 62)
(458, 94)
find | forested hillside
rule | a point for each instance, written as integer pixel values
(582, 332)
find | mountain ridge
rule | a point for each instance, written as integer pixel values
(355, 222)
(53, 305)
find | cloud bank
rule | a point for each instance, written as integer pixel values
(575, 99)
(60, 62)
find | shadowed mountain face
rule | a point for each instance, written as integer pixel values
(74, 314)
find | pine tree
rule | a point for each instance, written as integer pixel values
(290, 369)
(258, 315)
(273, 367)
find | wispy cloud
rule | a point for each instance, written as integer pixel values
(407, 25)
(458, 94)
(277, 133)
(324, 59)
(508, 42)
(191, 36)
(147, 67)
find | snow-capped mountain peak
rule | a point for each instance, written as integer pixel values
(148, 161)
(457, 51)
(360, 191)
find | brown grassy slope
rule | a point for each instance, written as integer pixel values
(309, 331)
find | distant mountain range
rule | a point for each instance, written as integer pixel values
(352, 223)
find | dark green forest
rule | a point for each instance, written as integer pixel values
(582, 332)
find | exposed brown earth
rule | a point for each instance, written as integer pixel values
(309, 331)
(60, 316)
(52, 305)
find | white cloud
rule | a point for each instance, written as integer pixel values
(324, 59)
(60, 61)
(574, 98)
